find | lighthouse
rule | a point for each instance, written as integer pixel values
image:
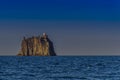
(45, 35)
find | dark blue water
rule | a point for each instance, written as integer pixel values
(60, 68)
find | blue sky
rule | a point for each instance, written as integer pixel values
(77, 27)
(60, 9)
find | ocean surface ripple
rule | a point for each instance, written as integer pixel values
(60, 68)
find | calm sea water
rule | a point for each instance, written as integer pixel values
(60, 68)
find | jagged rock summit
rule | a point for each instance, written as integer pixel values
(37, 46)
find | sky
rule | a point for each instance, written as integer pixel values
(77, 27)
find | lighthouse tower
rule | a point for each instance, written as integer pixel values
(45, 35)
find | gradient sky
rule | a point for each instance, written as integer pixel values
(77, 27)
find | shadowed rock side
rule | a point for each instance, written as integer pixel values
(37, 46)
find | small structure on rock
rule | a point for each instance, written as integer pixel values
(37, 46)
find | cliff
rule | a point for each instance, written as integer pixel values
(37, 46)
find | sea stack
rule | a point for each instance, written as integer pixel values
(37, 46)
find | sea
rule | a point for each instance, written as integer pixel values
(60, 68)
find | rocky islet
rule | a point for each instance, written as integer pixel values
(37, 46)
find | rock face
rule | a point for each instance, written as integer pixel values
(37, 46)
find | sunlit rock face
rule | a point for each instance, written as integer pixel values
(37, 46)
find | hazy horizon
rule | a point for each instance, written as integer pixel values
(76, 27)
